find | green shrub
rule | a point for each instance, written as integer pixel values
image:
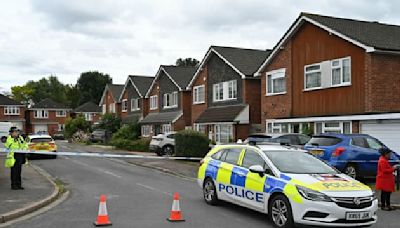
(132, 145)
(73, 125)
(130, 131)
(189, 143)
(109, 122)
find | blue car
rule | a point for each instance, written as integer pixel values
(356, 155)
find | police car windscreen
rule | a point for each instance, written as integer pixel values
(299, 162)
(37, 140)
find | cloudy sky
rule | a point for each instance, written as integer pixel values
(120, 37)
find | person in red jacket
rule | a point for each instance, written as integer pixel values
(385, 178)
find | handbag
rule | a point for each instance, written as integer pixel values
(10, 160)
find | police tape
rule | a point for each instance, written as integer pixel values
(96, 154)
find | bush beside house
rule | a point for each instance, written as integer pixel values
(76, 127)
(127, 138)
(191, 143)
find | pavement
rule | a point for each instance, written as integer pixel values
(39, 192)
(140, 196)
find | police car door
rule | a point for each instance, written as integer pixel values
(253, 196)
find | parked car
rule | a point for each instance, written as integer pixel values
(163, 144)
(293, 139)
(59, 135)
(253, 139)
(41, 142)
(354, 154)
(100, 135)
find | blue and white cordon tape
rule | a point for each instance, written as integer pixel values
(95, 154)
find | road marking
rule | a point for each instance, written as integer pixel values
(95, 168)
(154, 189)
(111, 173)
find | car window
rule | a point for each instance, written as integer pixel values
(231, 155)
(374, 144)
(324, 141)
(217, 155)
(37, 140)
(171, 136)
(303, 139)
(251, 158)
(360, 142)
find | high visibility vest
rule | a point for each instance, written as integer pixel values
(12, 144)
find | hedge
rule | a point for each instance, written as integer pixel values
(141, 145)
(191, 143)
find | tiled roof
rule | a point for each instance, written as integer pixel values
(4, 100)
(180, 74)
(220, 114)
(88, 107)
(48, 103)
(116, 90)
(161, 117)
(142, 83)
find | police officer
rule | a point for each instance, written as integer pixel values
(16, 142)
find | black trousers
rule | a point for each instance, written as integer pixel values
(385, 198)
(17, 169)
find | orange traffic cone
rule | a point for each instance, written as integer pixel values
(102, 217)
(176, 215)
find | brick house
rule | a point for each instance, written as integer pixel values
(109, 102)
(226, 95)
(90, 110)
(12, 111)
(134, 104)
(47, 116)
(334, 75)
(169, 101)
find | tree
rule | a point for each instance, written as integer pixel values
(73, 125)
(90, 86)
(22, 93)
(73, 96)
(187, 62)
(109, 122)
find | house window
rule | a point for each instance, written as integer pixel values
(312, 74)
(61, 127)
(135, 104)
(223, 133)
(171, 100)
(333, 127)
(225, 91)
(11, 110)
(166, 128)
(104, 109)
(124, 105)
(153, 102)
(88, 116)
(111, 108)
(198, 94)
(41, 114)
(200, 128)
(341, 71)
(61, 113)
(282, 128)
(146, 130)
(276, 82)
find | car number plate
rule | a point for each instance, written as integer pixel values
(317, 152)
(358, 215)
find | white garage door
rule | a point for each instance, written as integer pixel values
(387, 132)
(40, 127)
(18, 125)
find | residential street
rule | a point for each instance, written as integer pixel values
(138, 197)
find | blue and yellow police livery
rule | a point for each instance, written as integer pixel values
(288, 184)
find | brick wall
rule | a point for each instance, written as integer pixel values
(241, 131)
(144, 106)
(125, 114)
(382, 83)
(201, 79)
(186, 106)
(252, 97)
(12, 118)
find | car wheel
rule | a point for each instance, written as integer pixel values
(351, 170)
(280, 212)
(168, 150)
(210, 192)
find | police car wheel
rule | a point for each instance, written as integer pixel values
(209, 192)
(280, 212)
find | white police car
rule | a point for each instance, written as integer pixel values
(288, 184)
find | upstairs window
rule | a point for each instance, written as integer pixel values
(225, 91)
(312, 76)
(41, 114)
(276, 82)
(198, 94)
(171, 100)
(153, 102)
(124, 105)
(135, 104)
(11, 110)
(341, 71)
(61, 113)
(104, 109)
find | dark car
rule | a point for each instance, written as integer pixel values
(292, 139)
(59, 135)
(100, 135)
(255, 139)
(356, 155)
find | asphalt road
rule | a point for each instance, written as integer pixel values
(139, 197)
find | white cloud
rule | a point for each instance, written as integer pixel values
(67, 37)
